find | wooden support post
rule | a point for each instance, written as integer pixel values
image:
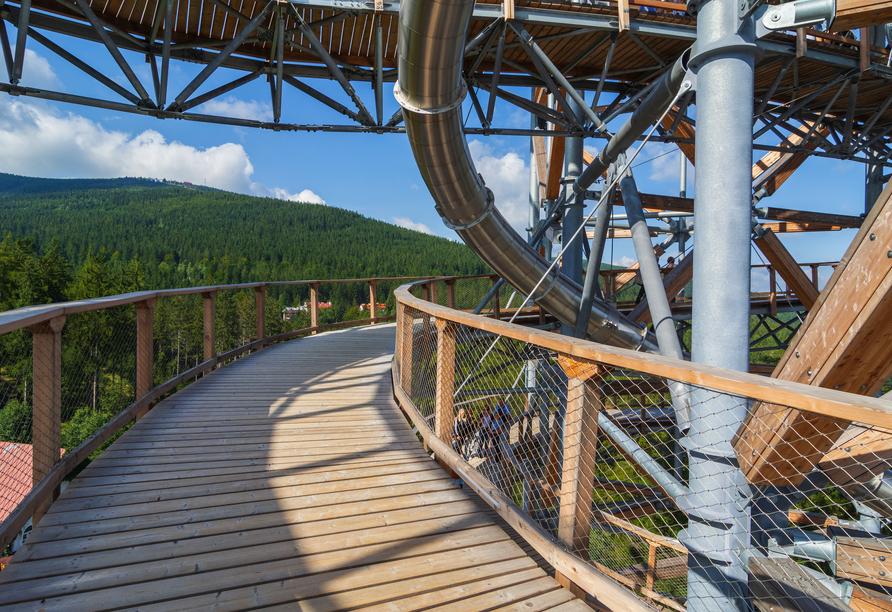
(433, 285)
(373, 301)
(864, 49)
(444, 409)
(842, 345)
(260, 307)
(314, 305)
(145, 349)
(772, 282)
(623, 14)
(801, 43)
(555, 168)
(46, 422)
(450, 293)
(496, 304)
(210, 316)
(651, 567)
(814, 276)
(426, 292)
(580, 447)
(782, 261)
(406, 324)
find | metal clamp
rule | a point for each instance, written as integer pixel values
(398, 94)
(490, 205)
(798, 14)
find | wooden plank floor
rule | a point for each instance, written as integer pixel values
(288, 480)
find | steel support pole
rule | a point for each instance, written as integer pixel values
(873, 182)
(718, 524)
(534, 181)
(571, 261)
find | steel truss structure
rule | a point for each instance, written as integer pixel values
(823, 103)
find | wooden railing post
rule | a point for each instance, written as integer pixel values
(445, 379)
(426, 292)
(772, 290)
(433, 284)
(373, 301)
(580, 446)
(450, 293)
(406, 331)
(260, 307)
(496, 305)
(580, 449)
(210, 315)
(444, 409)
(145, 349)
(651, 567)
(314, 305)
(46, 422)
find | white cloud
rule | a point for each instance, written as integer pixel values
(508, 176)
(231, 106)
(306, 195)
(36, 72)
(38, 140)
(412, 225)
(624, 261)
(660, 162)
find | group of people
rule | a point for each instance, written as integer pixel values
(481, 435)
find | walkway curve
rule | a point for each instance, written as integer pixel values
(288, 480)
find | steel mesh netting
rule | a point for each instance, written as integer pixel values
(178, 332)
(98, 370)
(595, 456)
(16, 391)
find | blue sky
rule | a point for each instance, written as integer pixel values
(374, 175)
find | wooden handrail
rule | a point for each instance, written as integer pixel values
(816, 400)
(19, 318)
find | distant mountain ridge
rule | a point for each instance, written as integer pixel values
(222, 236)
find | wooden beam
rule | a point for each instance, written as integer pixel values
(580, 448)
(260, 312)
(373, 301)
(623, 15)
(209, 315)
(541, 153)
(314, 305)
(776, 167)
(673, 283)
(555, 168)
(145, 354)
(783, 262)
(682, 130)
(845, 343)
(779, 584)
(46, 417)
(854, 14)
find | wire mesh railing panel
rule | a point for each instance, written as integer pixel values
(656, 482)
(179, 335)
(98, 370)
(16, 391)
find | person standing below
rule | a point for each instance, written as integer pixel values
(485, 431)
(461, 430)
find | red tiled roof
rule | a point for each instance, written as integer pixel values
(15, 475)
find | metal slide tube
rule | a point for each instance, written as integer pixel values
(432, 37)
(650, 109)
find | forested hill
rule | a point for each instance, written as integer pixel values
(186, 235)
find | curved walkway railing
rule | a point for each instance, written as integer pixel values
(74, 374)
(585, 460)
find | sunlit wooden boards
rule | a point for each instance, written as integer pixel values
(286, 480)
(845, 343)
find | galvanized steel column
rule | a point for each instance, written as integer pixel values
(718, 527)
(571, 252)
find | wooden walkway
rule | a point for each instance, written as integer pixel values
(288, 480)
